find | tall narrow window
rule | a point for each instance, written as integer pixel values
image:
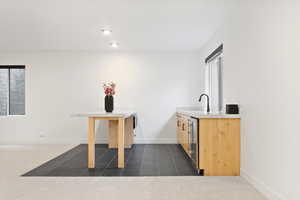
(214, 82)
(12, 90)
(4, 91)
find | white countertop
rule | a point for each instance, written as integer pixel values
(201, 114)
(123, 114)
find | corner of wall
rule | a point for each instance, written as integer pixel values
(266, 191)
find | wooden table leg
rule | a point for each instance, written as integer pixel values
(121, 133)
(91, 143)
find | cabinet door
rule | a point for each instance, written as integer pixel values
(182, 129)
(178, 129)
(185, 136)
(180, 121)
(219, 152)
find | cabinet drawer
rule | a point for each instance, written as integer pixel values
(185, 136)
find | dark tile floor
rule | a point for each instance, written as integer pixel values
(140, 160)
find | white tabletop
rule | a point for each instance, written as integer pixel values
(123, 114)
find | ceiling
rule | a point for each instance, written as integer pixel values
(138, 25)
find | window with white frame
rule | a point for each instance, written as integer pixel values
(213, 79)
(12, 90)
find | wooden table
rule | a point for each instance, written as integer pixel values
(120, 133)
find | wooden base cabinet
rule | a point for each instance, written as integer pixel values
(183, 133)
(113, 133)
(218, 144)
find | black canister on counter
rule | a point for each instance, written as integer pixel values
(232, 109)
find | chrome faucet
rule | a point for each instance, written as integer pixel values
(208, 109)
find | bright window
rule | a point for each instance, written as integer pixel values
(214, 81)
(12, 90)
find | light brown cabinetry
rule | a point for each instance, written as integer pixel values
(218, 144)
(113, 126)
(183, 132)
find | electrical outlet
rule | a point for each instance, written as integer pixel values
(42, 134)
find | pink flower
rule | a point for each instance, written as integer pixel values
(109, 88)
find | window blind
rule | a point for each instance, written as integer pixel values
(12, 90)
(4, 91)
(17, 91)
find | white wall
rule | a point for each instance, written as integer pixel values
(61, 83)
(261, 72)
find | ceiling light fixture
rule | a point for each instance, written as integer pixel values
(114, 44)
(106, 31)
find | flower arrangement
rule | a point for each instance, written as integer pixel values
(109, 88)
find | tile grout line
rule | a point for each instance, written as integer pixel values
(169, 152)
(115, 158)
(144, 149)
(128, 158)
(101, 156)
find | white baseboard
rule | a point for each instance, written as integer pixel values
(262, 187)
(97, 140)
(138, 140)
(155, 141)
(84, 141)
(54, 141)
